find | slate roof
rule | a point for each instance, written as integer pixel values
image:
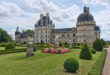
(97, 28)
(63, 30)
(25, 34)
(44, 21)
(85, 17)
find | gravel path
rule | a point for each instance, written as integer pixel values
(106, 69)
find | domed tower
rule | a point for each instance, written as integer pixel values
(85, 27)
(17, 35)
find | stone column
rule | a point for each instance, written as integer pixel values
(30, 48)
(70, 44)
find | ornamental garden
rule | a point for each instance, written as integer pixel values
(51, 59)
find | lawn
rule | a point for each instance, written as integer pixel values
(42, 64)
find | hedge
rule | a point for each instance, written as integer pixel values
(7, 51)
(98, 66)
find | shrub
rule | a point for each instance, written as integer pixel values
(3, 44)
(98, 45)
(71, 65)
(85, 53)
(98, 66)
(12, 51)
(59, 50)
(103, 42)
(10, 46)
(60, 44)
(93, 51)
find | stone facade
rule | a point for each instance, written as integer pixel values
(86, 30)
(22, 37)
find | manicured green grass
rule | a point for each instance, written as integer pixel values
(42, 64)
(2, 48)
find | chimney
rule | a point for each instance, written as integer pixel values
(86, 9)
(47, 14)
(41, 16)
(17, 29)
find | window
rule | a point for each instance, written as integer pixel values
(73, 35)
(62, 35)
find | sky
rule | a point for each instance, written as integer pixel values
(25, 13)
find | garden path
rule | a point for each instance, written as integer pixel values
(106, 69)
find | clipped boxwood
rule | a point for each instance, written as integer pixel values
(93, 51)
(10, 46)
(98, 66)
(12, 51)
(59, 51)
(71, 65)
(98, 45)
(85, 53)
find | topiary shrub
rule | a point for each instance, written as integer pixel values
(93, 51)
(60, 44)
(59, 51)
(10, 46)
(85, 53)
(71, 65)
(98, 45)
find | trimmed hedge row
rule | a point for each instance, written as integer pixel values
(98, 66)
(7, 51)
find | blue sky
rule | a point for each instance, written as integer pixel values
(64, 13)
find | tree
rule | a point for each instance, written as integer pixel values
(103, 42)
(4, 36)
(85, 53)
(98, 45)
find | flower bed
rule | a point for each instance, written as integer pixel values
(56, 51)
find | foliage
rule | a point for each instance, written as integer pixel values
(98, 66)
(65, 43)
(98, 45)
(3, 44)
(4, 36)
(42, 42)
(59, 50)
(71, 65)
(85, 53)
(103, 42)
(39, 46)
(93, 51)
(12, 51)
(10, 46)
(60, 44)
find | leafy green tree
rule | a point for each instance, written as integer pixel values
(4, 36)
(98, 45)
(85, 53)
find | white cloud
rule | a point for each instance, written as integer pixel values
(94, 2)
(58, 14)
(11, 15)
